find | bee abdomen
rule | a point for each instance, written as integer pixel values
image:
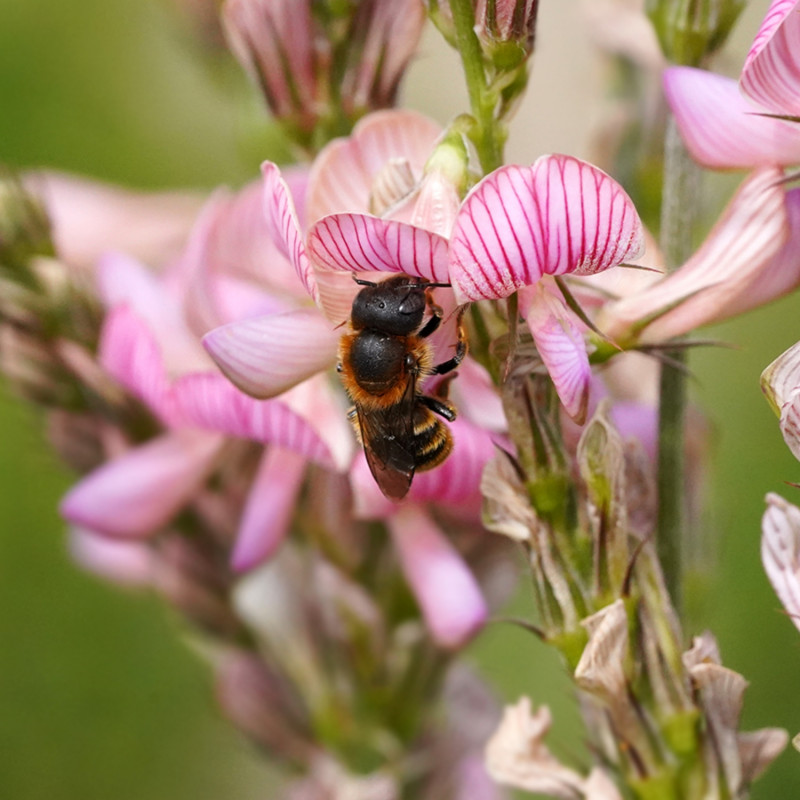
(433, 441)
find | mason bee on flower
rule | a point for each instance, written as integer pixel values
(382, 360)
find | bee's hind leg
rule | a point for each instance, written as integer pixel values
(461, 351)
(439, 405)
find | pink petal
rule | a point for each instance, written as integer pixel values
(782, 274)
(343, 173)
(90, 218)
(122, 562)
(519, 223)
(284, 226)
(771, 74)
(123, 281)
(448, 594)
(477, 398)
(270, 505)
(474, 783)
(129, 352)
(265, 356)
(361, 243)
(322, 404)
(780, 552)
(721, 129)
(436, 205)
(231, 242)
(210, 402)
(719, 278)
(561, 347)
(138, 493)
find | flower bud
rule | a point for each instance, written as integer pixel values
(24, 227)
(505, 29)
(321, 66)
(690, 31)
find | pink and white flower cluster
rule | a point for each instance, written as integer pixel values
(265, 279)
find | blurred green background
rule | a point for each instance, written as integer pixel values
(99, 697)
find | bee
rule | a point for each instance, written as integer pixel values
(382, 360)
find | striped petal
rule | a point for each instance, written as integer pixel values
(268, 512)
(790, 423)
(265, 356)
(284, 226)
(343, 173)
(721, 278)
(135, 495)
(448, 594)
(781, 379)
(771, 74)
(361, 243)
(343, 245)
(782, 273)
(780, 552)
(519, 223)
(721, 129)
(780, 382)
(562, 349)
(210, 402)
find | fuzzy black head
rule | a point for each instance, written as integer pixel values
(395, 306)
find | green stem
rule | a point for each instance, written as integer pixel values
(677, 215)
(487, 136)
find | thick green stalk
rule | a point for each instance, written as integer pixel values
(678, 212)
(487, 136)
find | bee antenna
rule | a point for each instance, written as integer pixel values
(362, 282)
(432, 285)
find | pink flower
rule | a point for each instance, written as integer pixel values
(521, 227)
(748, 259)
(315, 66)
(724, 129)
(148, 346)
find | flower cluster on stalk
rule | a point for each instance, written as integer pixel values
(189, 375)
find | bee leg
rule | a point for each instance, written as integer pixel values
(433, 323)
(440, 407)
(352, 417)
(461, 351)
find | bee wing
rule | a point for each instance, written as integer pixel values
(388, 437)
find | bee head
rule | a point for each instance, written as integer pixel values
(395, 306)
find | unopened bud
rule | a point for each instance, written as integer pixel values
(690, 30)
(505, 29)
(24, 227)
